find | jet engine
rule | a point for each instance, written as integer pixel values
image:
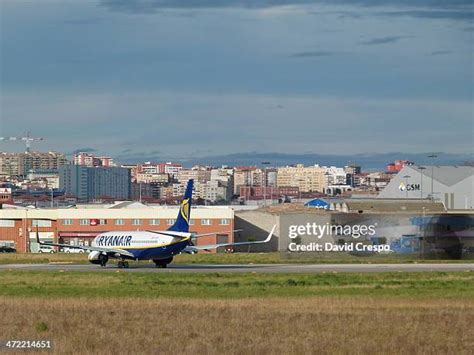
(96, 257)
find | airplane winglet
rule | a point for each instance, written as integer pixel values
(270, 235)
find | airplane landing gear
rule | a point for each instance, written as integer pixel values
(163, 263)
(103, 259)
(122, 264)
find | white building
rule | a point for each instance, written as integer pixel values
(171, 169)
(452, 185)
(148, 178)
(50, 177)
(197, 173)
(335, 175)
(213, 190)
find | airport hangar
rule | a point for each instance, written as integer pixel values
(451, 185)
(79, 225)
(416, 226)
(431, 206)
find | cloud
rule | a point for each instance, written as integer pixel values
(84, 21)
(462, 14)
(307, 122)
(384, 40)
(450, 8)
(134, 57)
(441, 52)
(136, 157)
(455, 10)
(411, 3)
(312, 54)
(346, 14)
(84, 150)
(273, 3)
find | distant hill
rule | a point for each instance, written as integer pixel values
(367, 161)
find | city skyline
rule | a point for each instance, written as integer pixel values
(158, 78)
(370, 162)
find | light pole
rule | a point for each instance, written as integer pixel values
(423, 223)
(24, 226)
(406, 184)
(140, 193)
(421, 168)
(52, 197)
(266, 163)
(27, 232)
(432, 156)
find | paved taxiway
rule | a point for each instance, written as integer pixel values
(273, 268)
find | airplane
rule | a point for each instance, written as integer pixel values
(159, 246)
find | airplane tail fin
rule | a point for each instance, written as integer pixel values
(184, 214)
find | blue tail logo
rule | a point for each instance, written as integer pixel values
(182, 221)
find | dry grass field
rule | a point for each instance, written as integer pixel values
(322, 325)
(241, 313)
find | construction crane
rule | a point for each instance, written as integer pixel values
(27, 139)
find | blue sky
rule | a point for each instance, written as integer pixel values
(175, 79)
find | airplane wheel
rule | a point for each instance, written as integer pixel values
(120, 264)
(125, 264)
(163, 263)
(103, 260)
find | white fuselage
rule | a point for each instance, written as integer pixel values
(142, 245)
(138, 240)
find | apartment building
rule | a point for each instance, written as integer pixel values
(306, 179)
(90, 183)
(197, 173)
(19, 164)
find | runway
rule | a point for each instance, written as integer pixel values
(260, 268)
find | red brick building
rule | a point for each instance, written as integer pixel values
(397, 165)
(79, 226)
(269, 192)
